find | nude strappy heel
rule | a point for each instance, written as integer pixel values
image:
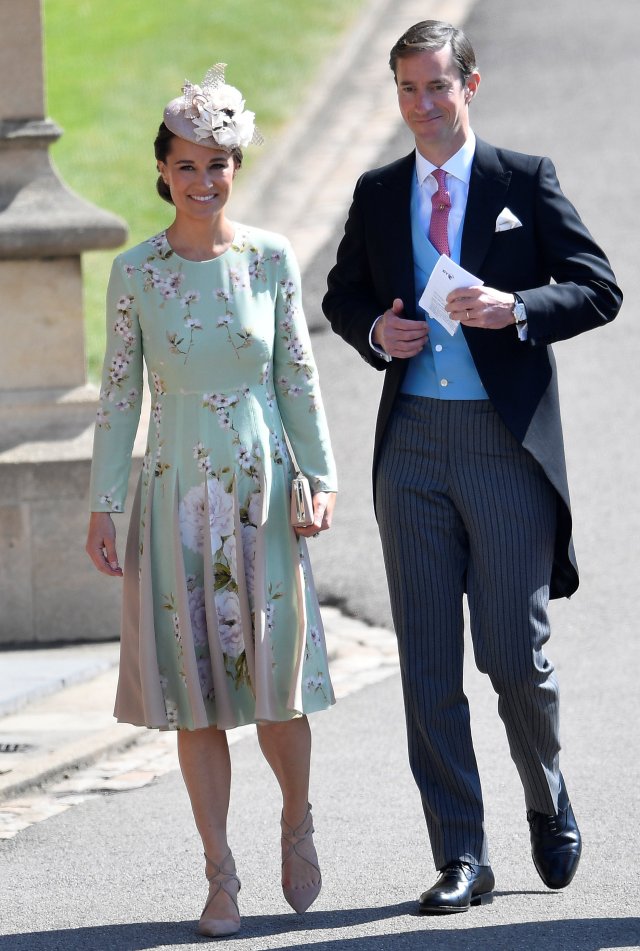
(229, 882)
(299, 841)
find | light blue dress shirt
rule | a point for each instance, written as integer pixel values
(444, 369)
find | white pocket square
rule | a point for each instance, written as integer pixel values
(506, 220)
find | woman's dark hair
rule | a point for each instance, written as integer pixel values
(162, 146)
(433, 35)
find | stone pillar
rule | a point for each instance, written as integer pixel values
(48, 589)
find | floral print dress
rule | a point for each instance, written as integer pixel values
(221, 623)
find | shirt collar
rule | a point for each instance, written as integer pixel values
(459, 165)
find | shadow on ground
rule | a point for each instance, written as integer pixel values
(586, 934)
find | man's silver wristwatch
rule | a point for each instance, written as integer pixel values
(519, 311)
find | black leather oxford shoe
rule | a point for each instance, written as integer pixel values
(459, 886)
(555, 846)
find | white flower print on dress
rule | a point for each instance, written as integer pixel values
(122, 326)
(190, 297)
(238, 278)
(102, 418)
(314, 634)
(159, 387)
(270, 615)
(159, 243)
(254, 509)
(168, 284)
(249, 537)
(244, 457)
(222, 403)
(151, 276)
(296, 350)
(279, 453)
(128, 401)
(118, 368)
(198, 615)
(175, 620)
(107, 499)
(156, 415)
(191, 515)
(224, 419)
(220, 513)
(230, 623)
(299, 360)
(201, 454)
(191, 518)
(205, 676)
(316, 683)
(229, 552)
(256, 267)
(171, 707)
(219, 400)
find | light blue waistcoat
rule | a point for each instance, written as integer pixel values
(444, 369)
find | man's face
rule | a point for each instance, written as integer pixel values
(434, 101)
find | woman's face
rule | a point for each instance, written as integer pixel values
(199, 178)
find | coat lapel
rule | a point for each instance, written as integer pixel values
(393, 191)
(488, 187)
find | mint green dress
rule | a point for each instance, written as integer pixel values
(221, 623)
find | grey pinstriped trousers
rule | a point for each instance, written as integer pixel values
(461, 506)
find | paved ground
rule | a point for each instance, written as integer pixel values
(62, 745)
(121, 870)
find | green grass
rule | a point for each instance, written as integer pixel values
(112, 65)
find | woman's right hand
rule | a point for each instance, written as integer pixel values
(101, 544)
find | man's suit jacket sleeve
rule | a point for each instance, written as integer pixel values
(582, 293)
(350, 303)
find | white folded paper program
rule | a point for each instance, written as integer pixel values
(446, 276)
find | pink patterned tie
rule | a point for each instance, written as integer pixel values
(440, 207)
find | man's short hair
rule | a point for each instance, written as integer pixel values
(433, 35)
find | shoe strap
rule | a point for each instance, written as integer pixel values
(221, 879)
(296, 836)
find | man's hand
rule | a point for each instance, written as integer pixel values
(481, 307)
(398, 336)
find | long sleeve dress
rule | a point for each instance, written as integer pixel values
(221, 623)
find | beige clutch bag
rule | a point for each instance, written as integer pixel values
(301, 502)
(301, 499)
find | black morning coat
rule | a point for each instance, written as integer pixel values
(551, 262)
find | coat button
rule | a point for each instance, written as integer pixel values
(444, 383)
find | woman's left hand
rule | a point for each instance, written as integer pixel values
(323, 506)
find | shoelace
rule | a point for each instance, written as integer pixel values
(452, 869)
(552, 823)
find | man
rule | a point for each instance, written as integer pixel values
(470, 484)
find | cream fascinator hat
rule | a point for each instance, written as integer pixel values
(212, 114)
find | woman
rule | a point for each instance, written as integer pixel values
(221, 625)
